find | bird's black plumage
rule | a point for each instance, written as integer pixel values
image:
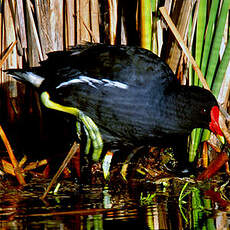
(129, 92)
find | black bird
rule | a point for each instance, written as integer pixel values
(128, 92)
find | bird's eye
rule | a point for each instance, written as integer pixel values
(203, 111)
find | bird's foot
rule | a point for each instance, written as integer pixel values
(93, 134)
(91, 129)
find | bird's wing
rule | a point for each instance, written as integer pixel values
(129, 65)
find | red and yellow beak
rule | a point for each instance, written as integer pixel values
(214, 124)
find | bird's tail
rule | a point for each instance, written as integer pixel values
(26, 76)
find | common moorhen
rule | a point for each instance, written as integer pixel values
(129, 93)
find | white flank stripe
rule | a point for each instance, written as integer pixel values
(115, 84)
(69, 83)
(94, 82)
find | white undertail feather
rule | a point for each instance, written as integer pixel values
(26, 76)
(35, 79)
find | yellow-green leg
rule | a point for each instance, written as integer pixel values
(79, 133)
(91, 129)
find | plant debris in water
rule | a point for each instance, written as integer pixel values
(145, 184)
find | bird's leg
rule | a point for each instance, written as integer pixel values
(88, 141)
(79, 133)
(92, 131)
(78, 127)
(106, 164)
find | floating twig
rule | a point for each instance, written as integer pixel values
(71, 153)
(92, 211)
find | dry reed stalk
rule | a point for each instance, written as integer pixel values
(94, 14)
(42, 10)
(78, 24)
(6, 55)
(56, 17)
(75, 147)
(41, 25)
(123, 34)
(112, 20)
(205, 155)
(9, 38)
(22, 161)
(1, 16)
(84, 21)
(34, 30)
(195, 16)
(137, 16)
(21, 23)
(89, 31)
(69, 23)
(223, 95)
(12, 61)
(8, 167)
(87, 20)
(9, 35)
(190, 40)
(183, 45)
(17, 170)
(34, 165)
(182, 25)
(168, 5)
(225, 89)
(32, 36)
(43, 22)
(159, 37)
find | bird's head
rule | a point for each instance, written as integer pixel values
(202, 110)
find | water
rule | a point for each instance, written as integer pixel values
(140, 206)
